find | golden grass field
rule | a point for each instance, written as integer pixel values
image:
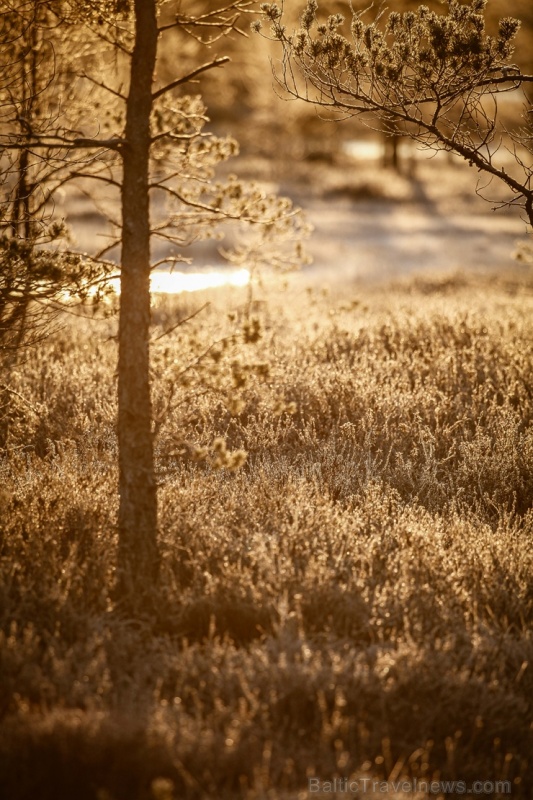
(355, 599)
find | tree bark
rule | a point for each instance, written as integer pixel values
(138, 555)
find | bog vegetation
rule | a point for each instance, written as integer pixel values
(342, 584)
(354, 599)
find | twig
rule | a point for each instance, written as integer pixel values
(20, 397)
(181, 322)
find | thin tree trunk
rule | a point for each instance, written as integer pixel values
(22, 222)
(138, 557)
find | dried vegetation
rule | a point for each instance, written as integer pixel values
(354, 599)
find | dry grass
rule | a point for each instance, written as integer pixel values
(355, 600)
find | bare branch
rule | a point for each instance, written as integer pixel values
(217, 62)
(104, 86)
(181, 322)
(63, 143)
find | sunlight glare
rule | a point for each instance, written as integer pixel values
(178, 282)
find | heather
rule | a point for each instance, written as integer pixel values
(345, 483)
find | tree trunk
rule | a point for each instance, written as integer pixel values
(138, 556)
